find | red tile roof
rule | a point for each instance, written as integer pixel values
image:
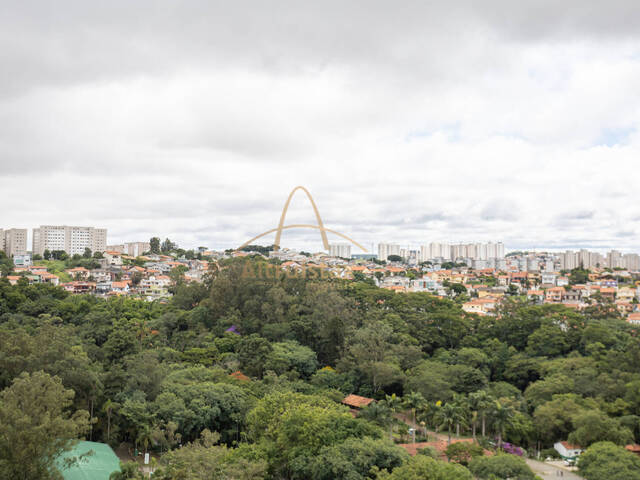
(239, 376)
(357, 401)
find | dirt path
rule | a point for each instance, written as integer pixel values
(551, 472)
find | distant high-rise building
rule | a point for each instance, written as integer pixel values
(568, 260)
(73, 240)
(435, 250)
(631, 261)
(614, 259)
(473, 251)
(342, 250)
(386, 249)
(135, 249)
(13, 241)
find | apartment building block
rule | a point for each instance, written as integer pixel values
(342, 250)
(133, 249)
(13, 241)
(386, 249)
(71, 239)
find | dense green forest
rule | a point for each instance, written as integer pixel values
(157, 376)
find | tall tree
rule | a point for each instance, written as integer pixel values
(607, 461)
(414, 401)
(154, 243)
(480, 403)
(502, 416)
(448, 416)
(37, 426)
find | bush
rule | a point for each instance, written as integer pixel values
(501, 466)
(463, 452)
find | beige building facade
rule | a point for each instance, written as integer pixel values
(13, 241)
(73, 240)
(133, 249)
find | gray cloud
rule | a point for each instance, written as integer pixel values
(429, 121)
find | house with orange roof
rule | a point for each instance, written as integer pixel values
(535, 295)
(112, 258)
(13, 279)
(626, 294)
(46, 277)
(78, 272)
(624, 307)
(481, 306)
(356, 401)
(79, 287)
(239, 376)
(120, 287)
(608, 293)
(553, 294)
(634, 318)
(37, 268)
(393, 271)
(360, 269)
(568, 451)
(519, 277)
(633, 448)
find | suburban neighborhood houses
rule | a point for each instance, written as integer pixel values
(479, 275)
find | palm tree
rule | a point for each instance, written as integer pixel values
(379, 413)
(108, 408)
(393, 403)
(450, 415)
(480, 402)
(414, 401)
(145, 437)
(463, 405)
(502, 416)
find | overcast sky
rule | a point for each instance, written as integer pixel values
(408, 121)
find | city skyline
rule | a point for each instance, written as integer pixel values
(460, 125)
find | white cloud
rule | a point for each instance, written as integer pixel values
(407, 124)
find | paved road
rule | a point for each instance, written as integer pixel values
(551, 472)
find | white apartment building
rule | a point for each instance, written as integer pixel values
(473, 251)
(342, 250)
(73, 240)
(614, 259)
(568, 260)
(410, 256)
(13, 241)
(588, 259)
(631, 261)
(386, 249)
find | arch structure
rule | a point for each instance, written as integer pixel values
(320, 226)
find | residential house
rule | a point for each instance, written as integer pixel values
(567, 451)
(78, 273)
(634, 318)
(553, 295)
(112, 258)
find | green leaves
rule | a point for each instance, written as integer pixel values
(607, 461)
(37, 426)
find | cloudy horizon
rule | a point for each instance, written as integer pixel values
(409, 123)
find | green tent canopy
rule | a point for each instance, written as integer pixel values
(97, 466)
